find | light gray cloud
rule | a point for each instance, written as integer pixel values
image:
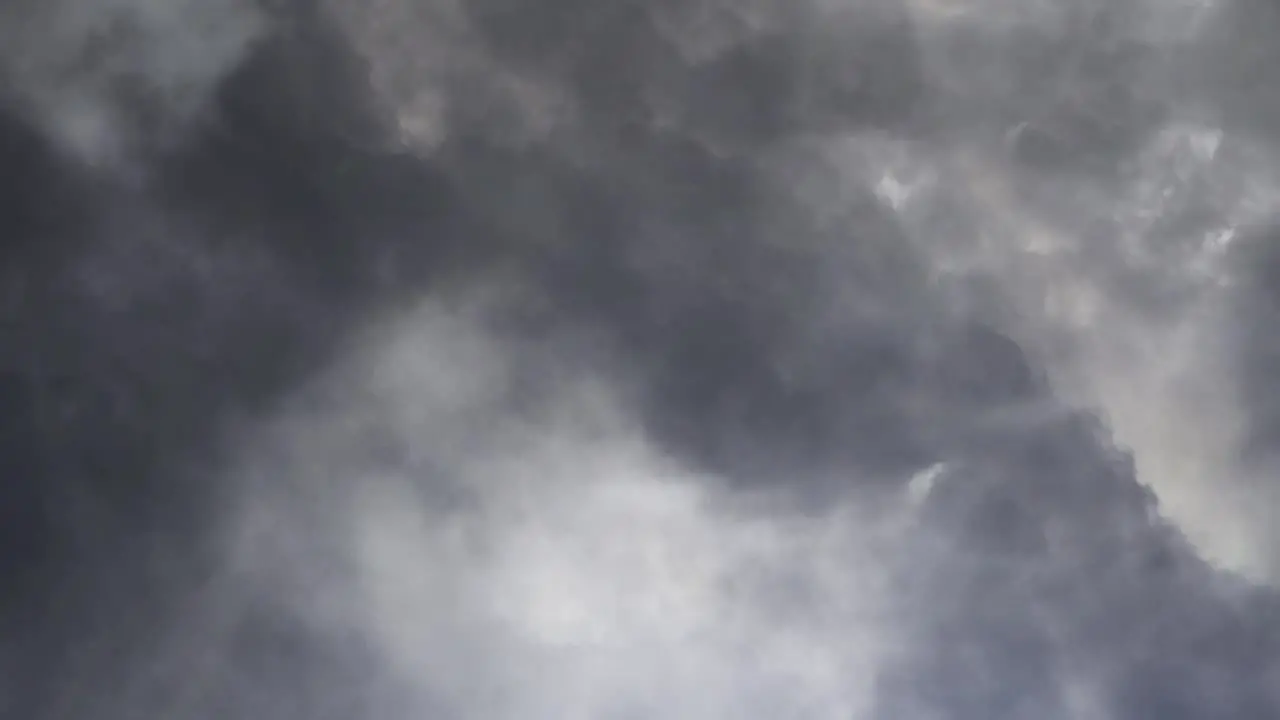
(106, 77)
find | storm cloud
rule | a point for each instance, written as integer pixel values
(728, 358)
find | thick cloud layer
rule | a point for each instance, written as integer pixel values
(508, 359)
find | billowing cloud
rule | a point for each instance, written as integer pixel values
(636, 360)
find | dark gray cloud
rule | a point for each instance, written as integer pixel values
(713, 359)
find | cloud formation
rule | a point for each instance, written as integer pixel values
(577, 360)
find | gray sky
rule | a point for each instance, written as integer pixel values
(585, 360)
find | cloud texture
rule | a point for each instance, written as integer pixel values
(577, 360)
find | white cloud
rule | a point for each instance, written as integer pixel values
(560, 567)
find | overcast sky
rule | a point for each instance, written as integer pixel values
(596, 360)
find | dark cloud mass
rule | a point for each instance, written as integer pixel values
(604, 359)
